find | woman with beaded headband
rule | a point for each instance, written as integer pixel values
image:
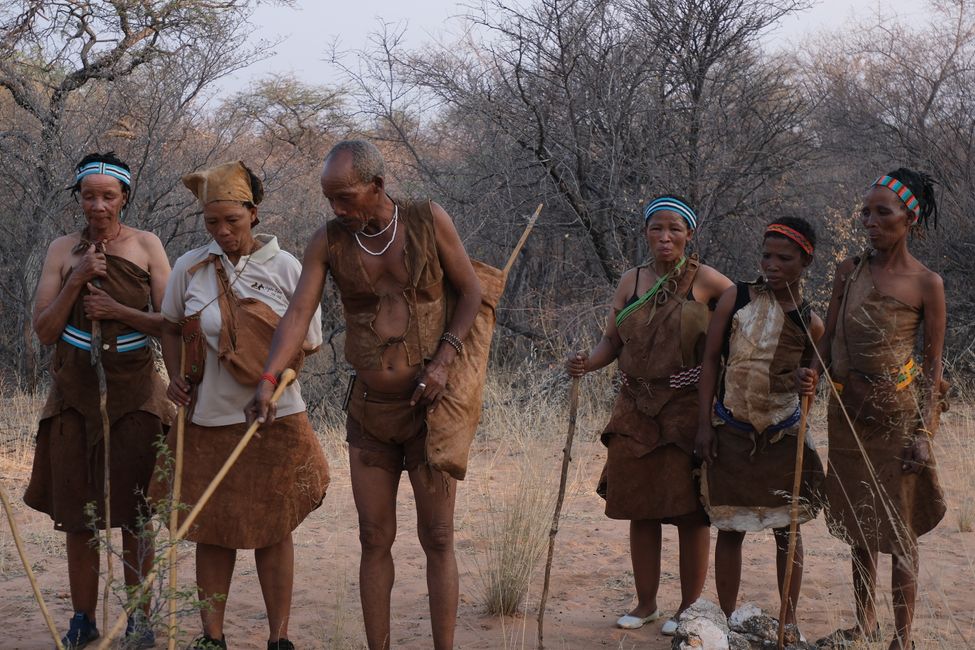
(114, 274)
(226, 298)
(765, 331)
(881, 487)
(655, 332)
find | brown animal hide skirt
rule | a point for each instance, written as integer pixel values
(67, 474)
(871, 502)
(649, 471)
(280, 477)
(659, 485)
(749, 487)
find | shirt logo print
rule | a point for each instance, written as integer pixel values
(264, 288)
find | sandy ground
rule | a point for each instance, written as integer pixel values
(592, 581)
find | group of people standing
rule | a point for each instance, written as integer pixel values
(714, 379)
(232, 316)
(712, 373)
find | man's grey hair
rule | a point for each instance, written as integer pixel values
(367, 160)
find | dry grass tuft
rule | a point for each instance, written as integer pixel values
(518, 498)
(339, 625)
(18, 426)
(515, 531)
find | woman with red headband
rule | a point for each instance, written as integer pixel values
(882, 488)
(765, 331)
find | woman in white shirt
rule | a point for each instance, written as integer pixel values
(226, 297)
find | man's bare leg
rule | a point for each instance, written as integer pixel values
(276, 573)
(645, 544)
(374, 493)
(435, 497)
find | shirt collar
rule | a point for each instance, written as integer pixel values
(269, 249)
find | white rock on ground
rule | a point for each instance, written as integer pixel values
(702, 625)
(742, 614)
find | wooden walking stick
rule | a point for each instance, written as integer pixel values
(287, 377)
(96, 361)
(174, 502)
(30, 572)
(793, 518)
(521, 241)
(553, 531)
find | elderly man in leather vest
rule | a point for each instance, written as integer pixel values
(394, 262)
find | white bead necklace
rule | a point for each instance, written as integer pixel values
(393, 223)
(376, 234)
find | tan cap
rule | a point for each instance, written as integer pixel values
(231, 181)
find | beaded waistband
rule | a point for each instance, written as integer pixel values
(81, 339)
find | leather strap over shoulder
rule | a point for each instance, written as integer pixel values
(686, 280)
(210, 259)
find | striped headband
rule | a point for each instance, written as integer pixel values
(793, 234)
(673, 205)
(902, 192)
(107, 169)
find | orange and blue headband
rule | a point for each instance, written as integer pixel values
(673, 205)
(902, 192)
(791, 233)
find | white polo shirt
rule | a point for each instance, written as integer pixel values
(269, 275)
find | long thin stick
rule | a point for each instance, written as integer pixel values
(521, 242)
(553, 531)
(96, 361)
(30, 572)
(174, 502)
(287, 377)
(793, 518)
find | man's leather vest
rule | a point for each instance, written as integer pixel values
(424, 294)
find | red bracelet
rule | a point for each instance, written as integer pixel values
(269, 378)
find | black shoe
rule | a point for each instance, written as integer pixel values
(81, 632)
(280, 644)
(204, 642)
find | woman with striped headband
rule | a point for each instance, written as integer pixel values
(115, 274)
(655, 331)
(881, 487)
(765, 331)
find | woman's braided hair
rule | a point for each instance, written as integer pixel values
(922, 186)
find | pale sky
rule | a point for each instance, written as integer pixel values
(310, 28)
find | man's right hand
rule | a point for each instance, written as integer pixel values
(575, 365)
(260, 408)
(178, 391)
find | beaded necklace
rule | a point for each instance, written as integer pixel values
(393, 223)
